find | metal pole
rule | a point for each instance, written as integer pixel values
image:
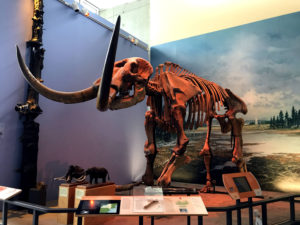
(292, 208)
(79, 220)
(200, 220)
(4, 212)
(238, 213)
(152, 220)
(228, 217)
(35, 220)
(188, 217)
(141, 220)
(250, 211)
(264, 213)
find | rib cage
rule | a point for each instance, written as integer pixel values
(210, 97)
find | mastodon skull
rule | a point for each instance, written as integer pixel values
(128, 74)
(128, 85)
(112, 90)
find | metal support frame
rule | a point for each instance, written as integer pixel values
(238, 213)
(79, 220)
(250, 204)
(4, 212)
(152, 220)
(200, 220)
(264, 214)
(141, 220)
(35, 220)
(292, 208)
(39, 210)
(229, 217)
(250, 211)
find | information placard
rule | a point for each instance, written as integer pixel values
(8, 192)
(141, 206)
(94, 207)
(241, 185)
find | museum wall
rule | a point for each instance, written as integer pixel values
(129, 12)
(15, 26)
(69, 134)
(80, 134)
(259, 62)
(172, 20)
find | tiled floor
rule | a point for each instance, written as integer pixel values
(277, 212)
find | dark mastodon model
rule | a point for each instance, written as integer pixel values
(79, 174)
(97, 172)
(74, 172)
(172, 92)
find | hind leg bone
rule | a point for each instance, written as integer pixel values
(207, 155)
(228, 123)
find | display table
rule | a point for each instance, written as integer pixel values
(83, 191)
(95, 206)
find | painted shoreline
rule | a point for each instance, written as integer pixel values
(270, 168)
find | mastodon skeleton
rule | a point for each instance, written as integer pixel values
(170, 92)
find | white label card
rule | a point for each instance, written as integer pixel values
(79, 193)
(63, 192)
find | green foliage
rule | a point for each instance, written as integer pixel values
(285, 120)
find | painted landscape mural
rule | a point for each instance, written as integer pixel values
(260, 62)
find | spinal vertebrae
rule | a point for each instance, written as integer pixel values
(208, 98)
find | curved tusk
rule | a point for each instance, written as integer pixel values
(80, 179)
(103, 92)
(59, 178)
(59, 96)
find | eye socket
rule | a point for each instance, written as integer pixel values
(133, 68)
(120, 64)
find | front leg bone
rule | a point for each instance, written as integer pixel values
(178, 158)
(150, 147)
(175, 162)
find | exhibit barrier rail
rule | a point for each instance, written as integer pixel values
(250, 204)
(38, 210)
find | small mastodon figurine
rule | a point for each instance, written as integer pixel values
(97, 172)
(74, 172)
(172, 93)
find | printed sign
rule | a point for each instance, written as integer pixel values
(7, 192)
(63, 191)
(79, 193)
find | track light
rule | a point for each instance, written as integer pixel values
(75, 6)
(85, 12)
(133, 40)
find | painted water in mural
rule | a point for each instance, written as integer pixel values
(273, 156)
(260, 63)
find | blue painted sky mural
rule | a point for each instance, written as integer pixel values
(260, 62)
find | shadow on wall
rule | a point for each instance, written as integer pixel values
(53, 169)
